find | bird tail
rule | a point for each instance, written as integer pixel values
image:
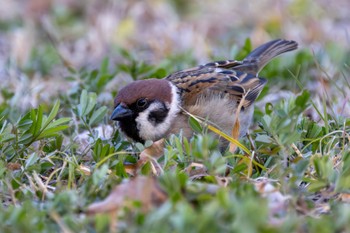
(262, 55)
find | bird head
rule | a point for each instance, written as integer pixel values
(145, 109)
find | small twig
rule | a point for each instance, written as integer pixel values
(297, 151)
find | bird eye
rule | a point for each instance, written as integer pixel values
(141, 103)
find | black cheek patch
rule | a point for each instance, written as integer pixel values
(129, 127)
(159, 115)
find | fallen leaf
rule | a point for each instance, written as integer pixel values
(236, 126)
(344, 197)
(130, 168)
(152, 153)
(146, 190)
(196, 171)
(84, 169)
(223, 181)
(13, 166)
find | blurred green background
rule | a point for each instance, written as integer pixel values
(40, 38)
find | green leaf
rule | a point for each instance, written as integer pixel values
(159, 73)
(316, 185)
(148, 143)
(302, 100)
(97, 150)
(130, 159)
(98, 115)
(93, 75)
(32, 159)
(6, 137)
(139, 146)
(34, 122)
(195, 125)
(263, 138)
(240, 168)
(91, 102)
(104, 66)
(51, 131)
(314, 131)
(71, 70)
(120, 169)
(104, 151)
(59, 122)
(39, 120)
(83, 103)
(146, 169)
(246, 49)
(268, 108)
(25, 138)
(52, 114)
(103, 80)
(24, 123)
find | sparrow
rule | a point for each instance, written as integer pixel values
(153, 109)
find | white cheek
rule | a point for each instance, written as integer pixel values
(149, 130)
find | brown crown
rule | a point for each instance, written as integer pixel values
(151, 89)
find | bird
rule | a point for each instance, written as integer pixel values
(153, 109)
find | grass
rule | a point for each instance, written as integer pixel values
(62, 156)
(46, 171)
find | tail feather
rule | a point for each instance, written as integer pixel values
(262, 55)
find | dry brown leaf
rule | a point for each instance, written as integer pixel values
(143, 189)
(235, 134)
(152, 153)
(223, 181)
(84, 169)
(196, 171)
(130, 168)
(236, 126)
(344, 197)
(13, 166)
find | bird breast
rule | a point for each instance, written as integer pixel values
(220, 111)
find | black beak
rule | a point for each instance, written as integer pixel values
(120, 112)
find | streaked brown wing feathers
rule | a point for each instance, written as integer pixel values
(246, 85)
(227, 64)
(207, 79)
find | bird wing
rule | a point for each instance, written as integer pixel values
(236, 78)
(211, 79)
